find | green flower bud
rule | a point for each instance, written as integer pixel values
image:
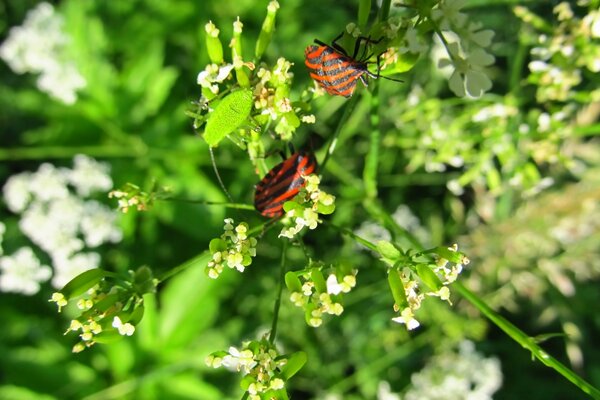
(236, 55)
(267, 30)
(213, 44)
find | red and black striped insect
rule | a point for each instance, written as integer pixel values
(336, 71)
(282, 183)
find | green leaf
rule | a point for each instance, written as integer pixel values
(429, 277)
(217, 245)
(294, 364)
(317, 277)
(136, 315)
(108, 336)
(397, 288)
(292, 282)
(453, 256)
(82, 282)
(325, 210)
(388, 250)
(228, 115)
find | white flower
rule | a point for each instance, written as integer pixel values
(16, 192)
(414, 42)
(98, 224)
(468, 76)
(89, 176)
(49, 183)
(333, 287)
(125, 329)
(465, 374)
(406, 317)
(214, 74)
(22, 272)
(448, 13)
(40, 46)
(2, 230)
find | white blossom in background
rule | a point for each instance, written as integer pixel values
(2, 230)
(463, 375)
(22, 272)
(56, 215)
(39, 46)
(463, 58)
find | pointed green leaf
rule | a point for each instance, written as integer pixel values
(82, 282)
(292, 282)
(388, 250)
(294, 364)
(228, 115)
(429, 277)
(397, 288)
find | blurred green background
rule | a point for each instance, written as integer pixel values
(140, 60)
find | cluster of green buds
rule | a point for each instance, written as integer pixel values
(265, 370)
(257, 98)
(131, 195)
(305, 207)
(234, 249)
(317, 296)
(413, 277)
(109, 306)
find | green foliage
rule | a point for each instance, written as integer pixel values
(475, 171)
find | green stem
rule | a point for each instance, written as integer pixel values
(372, 159)
(273, 333)
(45, 152)
(181, 267)
(384, 11)
(354, 236)
(517, 68)
(239, 206)
(527, 342)
(333, 140)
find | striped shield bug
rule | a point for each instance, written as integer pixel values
(282, 183)
(336, 71)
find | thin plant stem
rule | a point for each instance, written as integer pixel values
(354, 236)
(384, 11)
(273, 333)
(526, 341)
(333, 140)
(239, 206)
(201, 258)
(372, 159)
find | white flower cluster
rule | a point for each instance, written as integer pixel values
(415, 292)
(56, 216)
(271, 98)
(317, 303)
(309, 203)
(234, 249)
(558, 59)
(259, 360)
(463, 375)
(39, 46)
(462, 54)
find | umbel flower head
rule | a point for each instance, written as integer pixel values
(316, 296)
(413, 277)
(265, 370)
(304, 209)
(109, 308)
(234, 249)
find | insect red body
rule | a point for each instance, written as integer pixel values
(282, 183)
(337, 72)
(333, 70)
